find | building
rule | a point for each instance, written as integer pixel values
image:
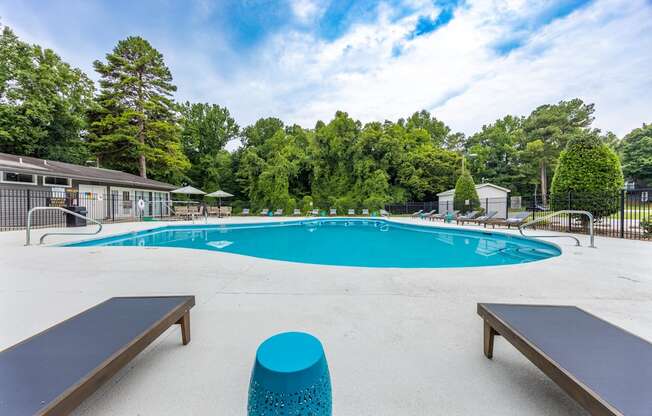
(492, 198)
(26, 182)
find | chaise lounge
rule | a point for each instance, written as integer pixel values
(52, 372)
(466, 217)
(481, 219)
(516, 219)
(606, 369)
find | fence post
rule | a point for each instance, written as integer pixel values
(622, 213)
(569, 206)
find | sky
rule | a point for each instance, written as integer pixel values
(468, 62)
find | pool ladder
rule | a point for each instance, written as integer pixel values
(565, 211)
(67, 211)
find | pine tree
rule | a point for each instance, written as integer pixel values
(134, 124)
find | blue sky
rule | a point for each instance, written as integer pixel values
(467, 61)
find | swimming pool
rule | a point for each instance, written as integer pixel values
(345, 242)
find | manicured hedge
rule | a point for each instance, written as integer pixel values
(588, 177)
(465, 190)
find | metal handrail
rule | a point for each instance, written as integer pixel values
(565, 211)
(67, 211)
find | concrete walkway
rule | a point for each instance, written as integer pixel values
(399, 341)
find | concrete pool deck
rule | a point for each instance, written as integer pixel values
(398, 341)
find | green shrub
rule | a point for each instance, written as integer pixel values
(374, 203)
(306, 203)
(343, 204)
(646, 225)
(588, 177)
(465, 191)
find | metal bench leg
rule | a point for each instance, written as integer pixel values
(489, 334)
(184, 321)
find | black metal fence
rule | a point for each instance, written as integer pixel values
(118, 206)
(626, 214)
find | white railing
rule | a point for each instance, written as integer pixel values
(566, 211)
(67, 211)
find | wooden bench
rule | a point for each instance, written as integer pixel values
(52, 372)
(606, 369)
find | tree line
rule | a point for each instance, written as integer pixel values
(132, 122)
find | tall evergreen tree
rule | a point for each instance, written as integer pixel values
(134, 125)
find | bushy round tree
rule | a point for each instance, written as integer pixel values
(465, 191)
(588, 177)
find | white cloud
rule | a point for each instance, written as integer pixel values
(306, 10)
(599, 53)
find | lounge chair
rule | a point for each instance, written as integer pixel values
(515, 219)
(416, 214)
(278, 212)
(245, 211)
(427, 215)
(225, 211)
(351, 212)
(213, 210)
(467, 216)
(52, 372)
(314, 212)
(606, 369)
(384, 213)
(481, 219)
(296, 212)
(332, 212)
(264, 212)
(442, 215)
(365, 211)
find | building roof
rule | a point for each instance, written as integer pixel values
(482, 185)
(25, 164)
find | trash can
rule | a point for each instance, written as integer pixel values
(73, 220)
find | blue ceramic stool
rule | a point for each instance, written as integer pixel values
(290, 377)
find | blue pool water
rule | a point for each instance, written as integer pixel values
(345, 242)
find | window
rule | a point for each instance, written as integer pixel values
(125, 195)
(13, 177)
(56, 181)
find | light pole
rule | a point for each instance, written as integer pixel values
(464, 156)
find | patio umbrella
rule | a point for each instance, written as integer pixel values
(188, 190)
(219, 195)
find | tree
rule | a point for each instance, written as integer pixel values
(465, 191)
(205, 130)
(134, 125)
(437, 130)
(588, 176)
(43, 101)
(636, 148)
(498, 158)
(547, 130)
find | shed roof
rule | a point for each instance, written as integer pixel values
(26, 164)
(480, 186)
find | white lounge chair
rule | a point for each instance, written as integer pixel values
(245, 211)
(351, 212)
(416, 214)
(365, 211)
(278, 212)
(332, 212)
(296, 212)
(264, 212)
